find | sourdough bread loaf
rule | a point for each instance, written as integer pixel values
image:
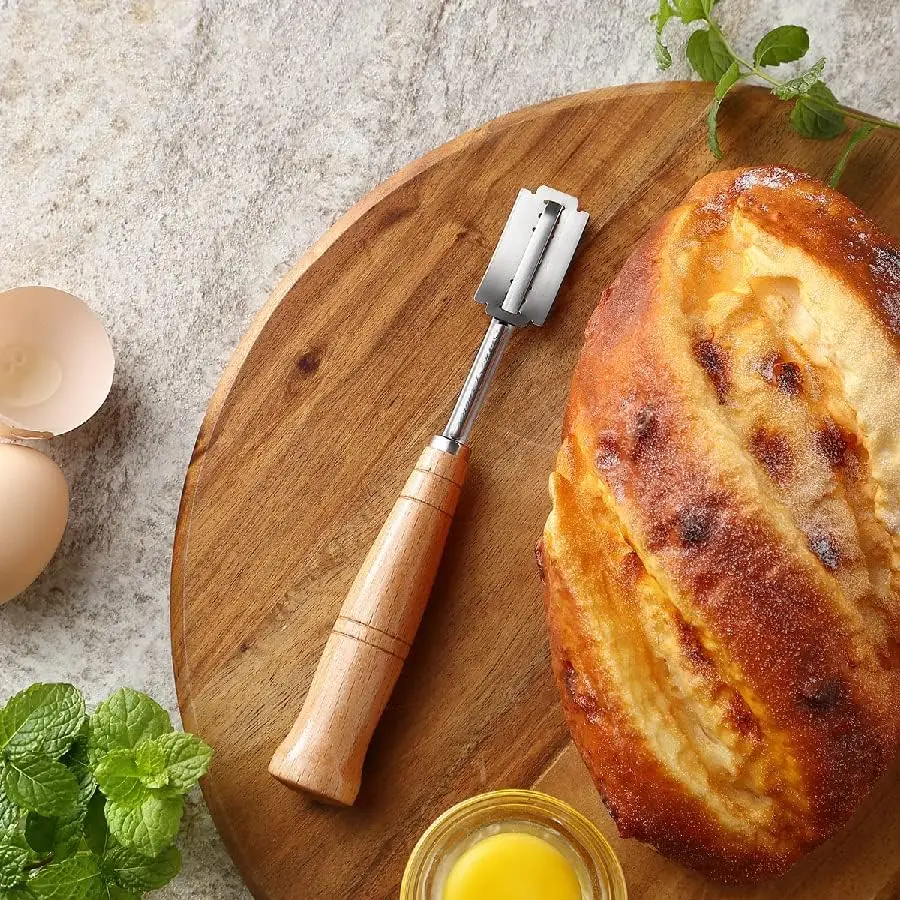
(722, 562)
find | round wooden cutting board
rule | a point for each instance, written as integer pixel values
(350, 367)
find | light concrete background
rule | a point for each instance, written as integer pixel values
(167, 160)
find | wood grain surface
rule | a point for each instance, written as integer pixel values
(351, 366)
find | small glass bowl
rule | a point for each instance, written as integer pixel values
(568, 828)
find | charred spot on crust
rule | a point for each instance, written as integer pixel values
(584, 700)
(539, 559)
(834, 444)
(783, 374)
(826, 550)
(694, 526)
(774, 453)
(820, 695)
(714, 361)
(607, 456)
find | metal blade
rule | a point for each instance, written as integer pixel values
(530, 261)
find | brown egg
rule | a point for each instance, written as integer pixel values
(34, 508)
(56, 362)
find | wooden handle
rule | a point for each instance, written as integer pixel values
(324, 752)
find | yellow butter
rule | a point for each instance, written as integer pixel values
(512, 866)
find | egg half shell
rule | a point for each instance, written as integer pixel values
(34, 509)
(56, 362)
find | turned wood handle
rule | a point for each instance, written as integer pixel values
(324, 752)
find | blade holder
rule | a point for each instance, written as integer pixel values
(521, 282)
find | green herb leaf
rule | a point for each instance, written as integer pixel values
(39, 784)
(811, 119)
(187, 759)
(75, 878)
(19, 892)
(117, 893)
(96, 831)
(708, 55)
(726, 83)
(9, 814)
(43, 719)
(148, 828)
(60, 836)
(692, 10)
(40, 832)
(125, 721)
(151, 758)
(659, 19)
(802, 83)
(133, 872)
(783, 44)
(119, 778)
(857, 137)
(15, 855)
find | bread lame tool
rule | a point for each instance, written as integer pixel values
(324, 752)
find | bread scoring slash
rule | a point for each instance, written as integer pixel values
(722, 562)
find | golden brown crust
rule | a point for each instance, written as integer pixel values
(721, 562)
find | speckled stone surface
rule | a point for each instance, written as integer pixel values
(167, 160)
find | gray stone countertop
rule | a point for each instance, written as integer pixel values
(168, 160)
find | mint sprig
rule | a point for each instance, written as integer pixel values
(816, 113)
(90, 805)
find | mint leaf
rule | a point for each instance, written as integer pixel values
(137, 873)
(857, 137)
(43, 719)
(811, 119)
(659, 19)
(40, 832)
(125, 721)
(148, 828)
(692, 10)
(119, 777)
(783, 44)
(75, 878)
(9, 814)
(187, 759)
(802, 83)
(15, 855)
(708, 55)
(60, 836)
(726, 83)
(150, 757)
(96, 831)
(39, 784)
(117, 893)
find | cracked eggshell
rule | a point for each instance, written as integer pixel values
(34, 509)
(56, 362)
